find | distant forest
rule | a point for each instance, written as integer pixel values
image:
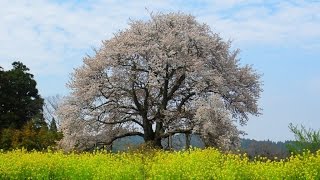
(252, 148)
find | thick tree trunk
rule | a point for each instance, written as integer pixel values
(154, 143)
(147, 130)
(157, 143)
(153, 140)
(150, 137)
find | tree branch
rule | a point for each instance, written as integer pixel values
(121, 136)
(119, 122)
(184, 100)
(170, 133)
(176, 86)
(135, 98)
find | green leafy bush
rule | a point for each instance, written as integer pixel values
(304, 139)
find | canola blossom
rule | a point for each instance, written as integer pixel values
(193, 164)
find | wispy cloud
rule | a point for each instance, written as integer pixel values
(51, 36)
(282, 23)
(48, 32)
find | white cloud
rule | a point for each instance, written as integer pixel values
(51, 37)
(278, 24)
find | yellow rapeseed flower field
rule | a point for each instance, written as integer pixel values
(193, 164)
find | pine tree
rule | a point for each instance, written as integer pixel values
(19, 98)
(53, 126)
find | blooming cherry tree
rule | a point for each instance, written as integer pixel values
(147, 80)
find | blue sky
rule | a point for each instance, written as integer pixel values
(281, 39)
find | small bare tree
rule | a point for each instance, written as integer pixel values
(50, 107)
(148, 78)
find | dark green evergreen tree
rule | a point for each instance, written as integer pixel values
(19, 98)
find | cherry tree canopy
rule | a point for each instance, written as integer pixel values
(149, 78)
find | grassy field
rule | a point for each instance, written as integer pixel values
(194, 164)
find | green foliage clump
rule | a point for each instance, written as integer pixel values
(304, 139)
(31, 136)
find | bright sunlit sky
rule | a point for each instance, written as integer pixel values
(281, 39)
